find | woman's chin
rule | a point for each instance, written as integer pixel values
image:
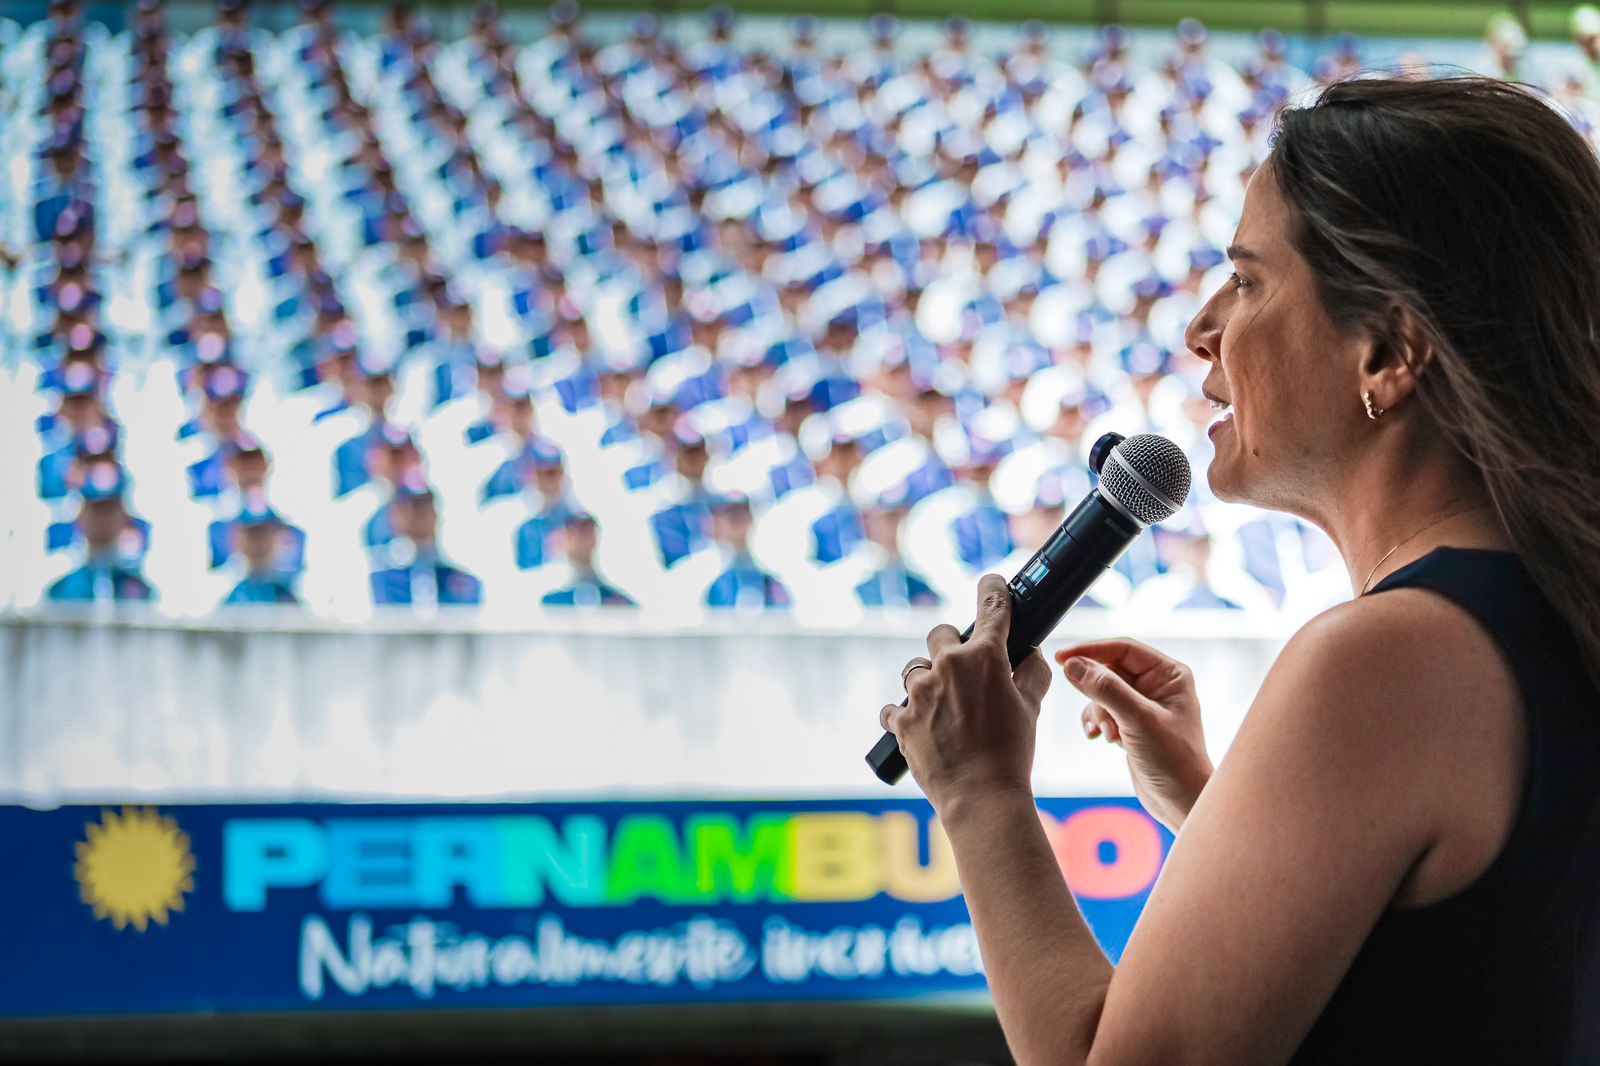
(1221, 484)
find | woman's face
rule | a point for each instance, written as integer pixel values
(1291, 377)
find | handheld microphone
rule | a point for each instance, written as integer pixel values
(1143, 479)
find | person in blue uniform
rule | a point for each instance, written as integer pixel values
(97, 447)
(530, 451)
(685, 526)
(248, 468)
(535, 540)
(259, 535)
(352, 464)
(393, 456)
(586, 588)
(742, 583)
(892, 583)
(839, 529)
(503, 391)
(983, 536)
(417, 574)
(224, 392)
(109, 571)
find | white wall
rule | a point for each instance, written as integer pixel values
(112, 708)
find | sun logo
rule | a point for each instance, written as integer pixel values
(134, 867)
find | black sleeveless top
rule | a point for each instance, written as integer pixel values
(1508, 970)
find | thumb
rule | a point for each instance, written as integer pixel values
(993, 622)
(1107, 688)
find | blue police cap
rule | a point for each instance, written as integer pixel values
(927, 479)
(1103, 246)
(1152, 285)
(833, 389)
(1025, 358)
(1204, 258)
(1146, 357)
(700, 389)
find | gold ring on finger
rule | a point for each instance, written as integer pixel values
(918, 663)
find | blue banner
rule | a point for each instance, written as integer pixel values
(333, 906)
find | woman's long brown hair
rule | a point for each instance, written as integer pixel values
(1475, 204)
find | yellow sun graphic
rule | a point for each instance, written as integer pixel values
(134, 867)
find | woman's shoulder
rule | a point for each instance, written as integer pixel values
(1409, 650)
(1425, 670)
(1440, 623)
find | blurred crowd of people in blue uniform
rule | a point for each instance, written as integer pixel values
(666, 318)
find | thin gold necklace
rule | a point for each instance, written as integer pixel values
(1424, 529)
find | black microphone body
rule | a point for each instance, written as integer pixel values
(1081, 549)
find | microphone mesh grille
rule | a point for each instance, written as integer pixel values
(1161, 463)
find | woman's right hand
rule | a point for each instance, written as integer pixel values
(1145, 702)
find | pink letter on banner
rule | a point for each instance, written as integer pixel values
(1138, 859)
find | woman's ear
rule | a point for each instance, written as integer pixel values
(1397, 360)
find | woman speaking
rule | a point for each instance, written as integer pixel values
(1399, 858)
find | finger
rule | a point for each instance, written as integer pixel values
(1123, 654)
(887, 718)
(911, 670)
(1096, 722)
(1113, 696)
(993, 622)
(916, 682)
(942, 638)
(1032, 677)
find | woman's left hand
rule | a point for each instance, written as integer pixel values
(969, 725)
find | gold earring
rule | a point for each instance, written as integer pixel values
(1372, 412)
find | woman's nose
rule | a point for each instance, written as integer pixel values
(1201, 337)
